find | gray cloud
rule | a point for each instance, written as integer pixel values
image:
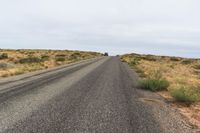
(117, 26)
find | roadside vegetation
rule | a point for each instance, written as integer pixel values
(15, 62)
(176, 79)
(186, 94)
(174, 74)
(154, 84)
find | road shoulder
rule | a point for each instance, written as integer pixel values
(169, 118)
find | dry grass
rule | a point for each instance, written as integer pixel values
(183, 75)
(173, 69)
(15, 62)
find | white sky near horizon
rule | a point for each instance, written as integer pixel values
(164, 27)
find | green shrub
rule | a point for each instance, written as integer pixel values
(30, 60)
(185, 94)
(61, 59)
(154, 84)
(4, 56)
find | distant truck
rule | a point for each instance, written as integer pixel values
(106, 54)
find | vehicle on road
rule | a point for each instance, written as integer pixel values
(106, 54)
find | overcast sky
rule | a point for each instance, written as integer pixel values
(166, 27)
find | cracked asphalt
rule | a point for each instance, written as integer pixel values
(97, 96)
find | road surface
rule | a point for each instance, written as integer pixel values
(95, 96)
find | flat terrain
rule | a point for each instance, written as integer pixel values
(97, 95)
(16, 62)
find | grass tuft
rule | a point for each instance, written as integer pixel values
(185, 94)
(154, 84)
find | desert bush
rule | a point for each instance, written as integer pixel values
(185, 94)
(30, 52)
(134, 61)
(3, 65)
(75, 55)
(154, 84)
(60, 55)
(149, 58)
(19, 72)
(155, 81)
(196, 66)
(4, 56)
(140, 72)
(195, 72)
(5, 75)
(175, 59)
(163, 57)
(30, 60)
(61, 59)
(156, 74)
(172, 66)
(187, 61)
(123, 59)
(45, 57)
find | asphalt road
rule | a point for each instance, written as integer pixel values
(97, 96)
